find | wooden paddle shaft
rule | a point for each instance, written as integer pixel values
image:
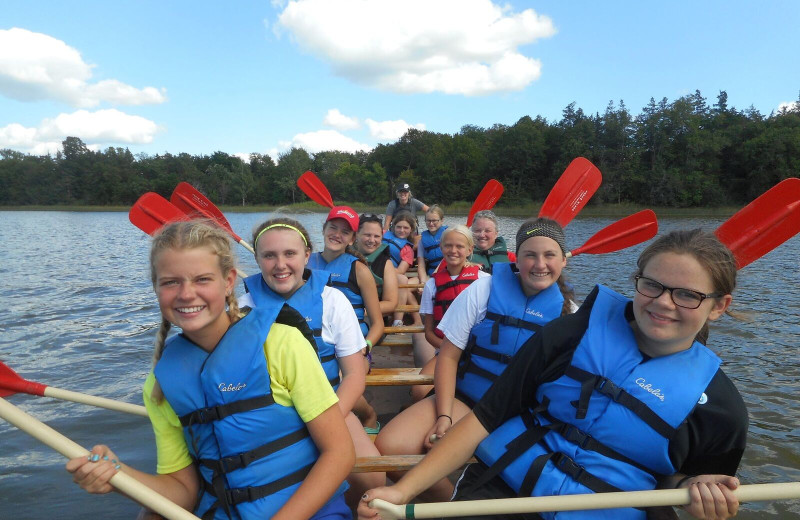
(655, 498)
(65, 446)
(92, 400)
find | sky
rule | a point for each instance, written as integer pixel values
(261, 77)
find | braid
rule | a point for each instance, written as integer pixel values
(568, 293)
(233, 307)
(356, 253)
(161, 338)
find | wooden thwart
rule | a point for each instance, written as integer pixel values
(407, 308)
(389, 463)
(395, 340)
(405, 329)
(410, 285)
(397, 377)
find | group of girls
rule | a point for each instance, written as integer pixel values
(617, 395)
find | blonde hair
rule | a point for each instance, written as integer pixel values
(436, 210)
(284, 223)
(463, 230)
(191, 235)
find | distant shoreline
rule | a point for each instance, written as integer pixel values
(459, 208)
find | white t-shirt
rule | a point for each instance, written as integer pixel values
(339, 322)
(429, 292)
(467, 310)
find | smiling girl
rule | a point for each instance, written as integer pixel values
(283, 247)
(483, 328)
(231, 388)
(429, 252)
(490, 247)
(616, 397)
(369, 243)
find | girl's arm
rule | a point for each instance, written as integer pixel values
(444, 382)
(181, 486)
(406, 259)
(422, 270)
(390, 296)
(431, 336)
(449, 454)
(336, 459)
(354, 380)
(402, 267)
(372, 306)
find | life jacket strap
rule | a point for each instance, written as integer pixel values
(242, 460)
(593, 382)
(236, 496)
(500, 319)
(217, 413)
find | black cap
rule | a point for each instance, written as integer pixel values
(403, 186)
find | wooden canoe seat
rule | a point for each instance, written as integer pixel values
(389, 463)
(407, 308)
(395, 340)
(405, 329)
(410, 286)
(397, 377)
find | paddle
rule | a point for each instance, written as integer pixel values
(572, 191)
(151, 211)
(65, 446)
(187, 199)
(315, 189)
(486, 199)
(640, 499)
(764, 224)
(11, 383)
(629, 231)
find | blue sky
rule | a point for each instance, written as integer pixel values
(248, 76)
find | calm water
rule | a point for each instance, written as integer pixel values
(80, 315)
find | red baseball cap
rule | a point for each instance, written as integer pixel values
(345, 212)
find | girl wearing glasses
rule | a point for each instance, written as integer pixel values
(483, 328)
(429, 253)
(619, 396)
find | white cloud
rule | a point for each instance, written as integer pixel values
(93, 128)
(789, 106)
(320, 141)
(339, 121)
(468, 47)
(35, 66)
(390, 130)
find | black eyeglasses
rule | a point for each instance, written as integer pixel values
(686, 298)
(432, 220)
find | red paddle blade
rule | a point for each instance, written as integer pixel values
(486, 199)
(187, 199)
(629, 231)
(572, 191)
(764, 224)
(316, 191)
(11, 383)
(152, 211)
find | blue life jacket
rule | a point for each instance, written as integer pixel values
(605, 425)
(431, 249)
(252, 453)
(395, 245)
(307, 300)
(343, 277)
(511, 319)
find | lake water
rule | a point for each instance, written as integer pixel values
(80, 315)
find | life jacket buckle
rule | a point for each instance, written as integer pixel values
(609, 388)
(239, 495)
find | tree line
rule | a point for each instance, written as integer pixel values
(683, 153)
